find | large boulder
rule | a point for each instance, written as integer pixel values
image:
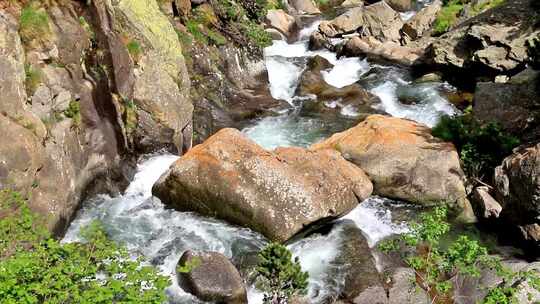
(517, 183)
(276, 193)
(421, 23)
(404, 161)
(378, 20)
(513, 105)
(378, 51)
(304, 6)
(400, 5)
(281, 21)
(210, 276)
(488, 44)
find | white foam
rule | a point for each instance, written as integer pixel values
(283, 76)
(346, 71)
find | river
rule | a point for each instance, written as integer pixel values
(146, 227)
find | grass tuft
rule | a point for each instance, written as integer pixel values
(33, 23)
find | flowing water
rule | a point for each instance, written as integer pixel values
(146, 227)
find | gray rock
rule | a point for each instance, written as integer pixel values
(304, 6)
(486, 205)
(212, 277)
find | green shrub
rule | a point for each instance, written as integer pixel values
(216, 38)
(282, 277)
(33, 23)
(74, 112)
(533, 51)
(195, 30)
(437, 263)
(134, 49)
(447, 17)
(257, 35)
(481, 147)
(39, 269)
(482, 6)
(33, 78)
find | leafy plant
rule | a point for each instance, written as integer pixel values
(39, 269)
(195, 28)
(481, 147)
(257, 35)
(447, 17)
(437, 264)
(282, 277)
(216, 38)
(33, 77)
(33, 23)
(134, 49)
(74, 112)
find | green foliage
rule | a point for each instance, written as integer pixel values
(437, 263)
(134, 49)
(33, 77)
(33, 23)
(257, 35)
(216, 38)
(481, 147)
(195, 28)
(189, 265)
(39, 269)
(482, 6)
(282, 277)
(74, 112)
(447, 17)
(533, 51)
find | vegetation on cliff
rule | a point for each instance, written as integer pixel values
(35, 268)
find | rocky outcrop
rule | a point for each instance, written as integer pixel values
(378, 51)
(330, 99)
(517, 183)
(404, 161)
(377, 20)
(145, 47)
(400, 5)
(276, 193)
(513, 105)
(421, 23)
(485, 204)
(488, 44)
(210, 276)
(75, 104)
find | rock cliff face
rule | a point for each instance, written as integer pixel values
(78, 97)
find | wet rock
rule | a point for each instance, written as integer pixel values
(330, 99)
(281, 21)
(212, 277)
(430, 77)
(400, 5)
(421, 23)
(387, 51)
(304, 6)
(485, 204)
(348, 22)
(517, 185)
(404, 161)
(362, 281)
(276, 193)
(512, 105)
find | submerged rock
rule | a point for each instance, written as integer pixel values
(211, 277)
(276, 193)
(404, 161)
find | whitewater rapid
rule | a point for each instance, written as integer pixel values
(142, 223)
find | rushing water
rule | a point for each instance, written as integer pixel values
(146, 227)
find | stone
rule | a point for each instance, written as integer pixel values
(352, 3)
(348, 22)
(403, 291)
(486, 205)
(422, 21)
(277, 193)
(517, 185)
(400, 5)
(281, 21)
(305, 6)
(512, 105)
(388, 51)
(212, 277)
(404, 161)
